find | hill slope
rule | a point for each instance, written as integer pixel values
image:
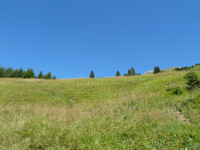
(111, 113)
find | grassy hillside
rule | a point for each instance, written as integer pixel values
(170, 69)
(111, 113)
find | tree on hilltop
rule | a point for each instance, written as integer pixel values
(118, 73)
(156, 70)
(131, 72)
(92, 74)
(29, 73)
(48, 76)
(40, 76)
(54, 77)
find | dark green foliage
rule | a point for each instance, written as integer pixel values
(131, 72)
(156, 70)
(118, 73)
(48, 76)
(2, 72)
(29, 73)
(92, 74)
(183, 68)
(186, 67)
(8, 72)
(40, 76)
(54, 77)
(14, 73)
(192, 80)
(20, 73)
(175, 90)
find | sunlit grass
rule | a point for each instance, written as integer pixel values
(109, 113)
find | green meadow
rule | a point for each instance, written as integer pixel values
(133, 112)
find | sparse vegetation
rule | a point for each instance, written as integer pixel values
(175, 90)
(189, 68)
(192, 80)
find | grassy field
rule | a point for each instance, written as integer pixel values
(110, 113)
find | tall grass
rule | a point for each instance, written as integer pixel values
(109, 113)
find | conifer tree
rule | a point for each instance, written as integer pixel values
(54, 77)
(14, 73)
(29, 73)
(20, 73)
(132, 71)
(8, 72)
(156, 70)
(2, 72)
(48, 76)
(129, 72)
(92, 74)
(118, 73)
(44, 76)
(40, 76)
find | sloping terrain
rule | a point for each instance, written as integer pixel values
(134, 112)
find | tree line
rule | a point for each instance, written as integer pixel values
(186, 67)
(20, 73)
(131, 72)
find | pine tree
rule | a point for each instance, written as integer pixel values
(14, 73)
(8, 72)
(48, 76)
(29, 73)
(20, 73)
(40, 76)
(92, 74)
(44, 76)
(131, 72)
(54, 77)
(118, 73)
(2, 72)
(156, 70)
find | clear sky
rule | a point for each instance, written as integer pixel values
(73, 37)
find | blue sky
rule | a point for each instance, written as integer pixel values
(73, 37)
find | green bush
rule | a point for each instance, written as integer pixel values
(192, 80)
(175, 90)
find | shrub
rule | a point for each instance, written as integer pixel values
(192, 80)
(175, 90)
